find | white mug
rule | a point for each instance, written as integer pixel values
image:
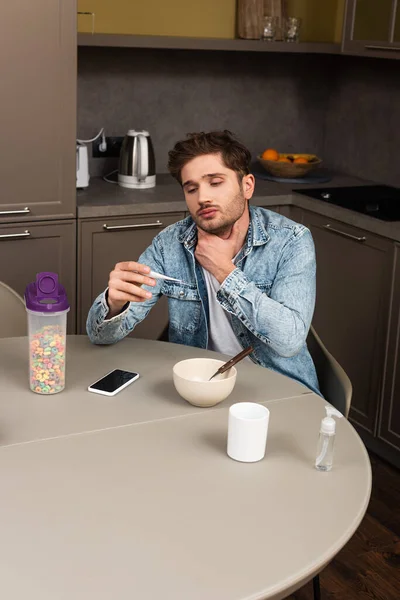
(247, 431)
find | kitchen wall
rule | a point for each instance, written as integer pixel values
(362, 134)
(273, 100)
(345, 109)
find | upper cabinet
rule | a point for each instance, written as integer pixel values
(396, 35)
(372, 28)
(188, 18)
(38, 106)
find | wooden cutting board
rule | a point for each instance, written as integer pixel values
(250, 19)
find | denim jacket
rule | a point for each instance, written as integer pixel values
(269, 296)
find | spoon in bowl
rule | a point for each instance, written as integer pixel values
(233, 361)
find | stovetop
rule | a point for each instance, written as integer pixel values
(379, 201)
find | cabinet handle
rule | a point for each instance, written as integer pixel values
(25, 211)
(140, 226)
(26, 234)
(384, 48)
(346, 235)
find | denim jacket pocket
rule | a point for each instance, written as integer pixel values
(184, 306)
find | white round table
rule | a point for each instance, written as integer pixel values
(133, 496)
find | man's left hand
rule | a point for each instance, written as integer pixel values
(215, 254)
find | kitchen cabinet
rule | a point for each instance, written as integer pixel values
(352, 307)
(291, 212)
(372, 20)
(29, 248)
(275, 208)
(189, 18)
(104, 242)
(297, 214)
(372, 28)
(38, 106)
(396, 35)
(389, 422)
(285, 210)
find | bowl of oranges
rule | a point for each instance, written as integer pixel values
(288, 165)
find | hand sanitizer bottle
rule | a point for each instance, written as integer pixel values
(326, 441)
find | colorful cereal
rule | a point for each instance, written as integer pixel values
(47, 360)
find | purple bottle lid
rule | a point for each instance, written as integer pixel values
(46, 294)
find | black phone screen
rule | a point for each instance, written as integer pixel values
(113, 380)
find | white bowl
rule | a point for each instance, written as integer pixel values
(191, 381)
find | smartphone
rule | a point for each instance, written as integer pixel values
(113, 382)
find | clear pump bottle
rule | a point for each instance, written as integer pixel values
(326, 441)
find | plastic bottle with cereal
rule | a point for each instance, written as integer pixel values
(47, 307)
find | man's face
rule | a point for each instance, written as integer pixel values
(213, 195)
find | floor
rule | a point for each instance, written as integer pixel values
(368, 567)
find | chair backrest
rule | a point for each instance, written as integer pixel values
(334, 383)
(13, 320)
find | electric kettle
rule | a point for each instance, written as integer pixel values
(137, 164)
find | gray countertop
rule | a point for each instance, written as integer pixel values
(104, 199)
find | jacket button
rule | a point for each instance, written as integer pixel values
(181, 293)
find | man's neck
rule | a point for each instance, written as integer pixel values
(243, 222)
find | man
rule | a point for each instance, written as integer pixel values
(248, 274)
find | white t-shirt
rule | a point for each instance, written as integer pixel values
(221, 336)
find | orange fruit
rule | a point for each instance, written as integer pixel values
(300, 160)
(284, 159)
(270, 154)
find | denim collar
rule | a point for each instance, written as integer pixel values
(256, 234)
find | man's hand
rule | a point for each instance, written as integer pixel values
(215, 254)
(124, 286)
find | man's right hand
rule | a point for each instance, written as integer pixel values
(124, 286)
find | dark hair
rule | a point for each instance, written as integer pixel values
(234, 154)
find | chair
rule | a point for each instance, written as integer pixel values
(334, 383)
(163, 337)
(13, 321)
(335, 386)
